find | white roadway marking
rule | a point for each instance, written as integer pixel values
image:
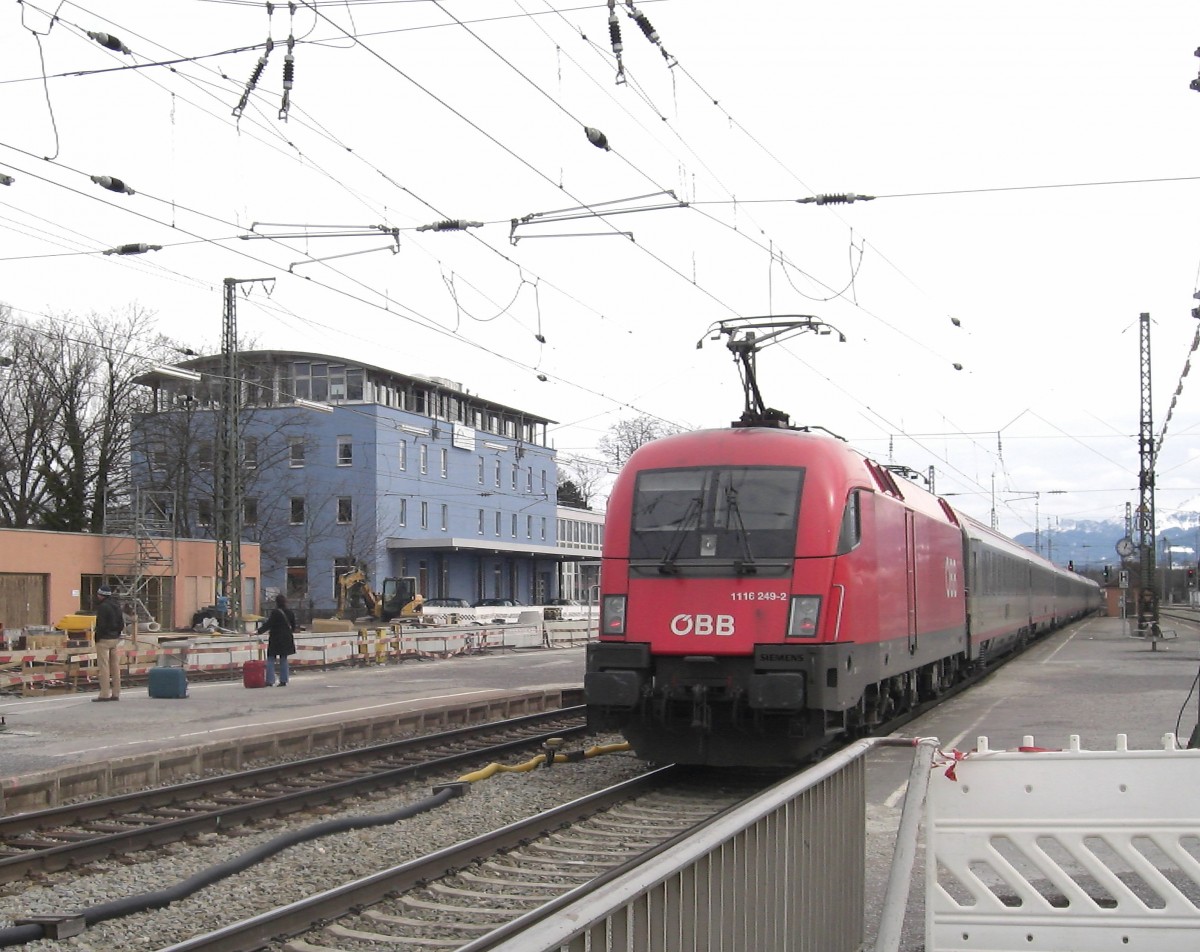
(286, 720)
(1066, 641)
(894, 797)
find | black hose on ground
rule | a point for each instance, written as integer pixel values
(31, 932)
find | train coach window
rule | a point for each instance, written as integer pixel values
(851, 532)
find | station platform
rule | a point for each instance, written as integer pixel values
(62, 745)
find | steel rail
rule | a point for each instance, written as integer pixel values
(230, 816)
(253, 933)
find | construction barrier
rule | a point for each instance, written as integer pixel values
(1047, 850)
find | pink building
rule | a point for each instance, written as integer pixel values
(47, 575)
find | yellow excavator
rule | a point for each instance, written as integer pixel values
(398, 599)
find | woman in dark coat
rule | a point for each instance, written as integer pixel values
(279, 625)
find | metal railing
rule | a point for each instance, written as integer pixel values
(783, 871)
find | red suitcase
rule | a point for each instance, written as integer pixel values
(254, 674)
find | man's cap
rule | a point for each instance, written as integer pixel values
(104, 591)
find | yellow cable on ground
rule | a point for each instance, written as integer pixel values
(492, 769)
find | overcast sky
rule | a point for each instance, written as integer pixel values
(1034, 167)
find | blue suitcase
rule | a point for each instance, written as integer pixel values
(168, 682)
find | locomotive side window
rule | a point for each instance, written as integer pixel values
(731, 517)
(851, 533)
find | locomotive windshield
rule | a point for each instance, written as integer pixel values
(734, 515)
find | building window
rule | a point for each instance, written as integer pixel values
(204, 512)
(403, 512)
(445, 462)
(296, 452)
(481, 522)
(481, 471)
(529, 480)
(497, 474)
(345, 451)
(403, 455)
(543, 482)
(204, 454)
(515, 472)
(424, 451)
(424, 515)
(250, 452)
(297, 513)
(249, 512)
(543, 528)
(345, 510)
(529, 527)
(445, 517)
(297, 578)
(499, 516)
(514, 525)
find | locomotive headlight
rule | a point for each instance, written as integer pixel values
(802, 620)
(612, 615)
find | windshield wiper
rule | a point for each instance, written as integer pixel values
(744, 565)
(691, 519)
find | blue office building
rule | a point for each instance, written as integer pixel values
(345, 465)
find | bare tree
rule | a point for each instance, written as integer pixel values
(65, 415)
(625, 436)
(587, 477)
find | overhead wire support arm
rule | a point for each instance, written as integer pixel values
(394, 249)
(595, 210)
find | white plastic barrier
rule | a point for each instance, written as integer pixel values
(1072, 849)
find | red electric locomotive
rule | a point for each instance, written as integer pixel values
(765, 590)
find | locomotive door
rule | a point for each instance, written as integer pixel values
(910, 571)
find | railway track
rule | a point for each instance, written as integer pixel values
(479, 892)
(60, 837)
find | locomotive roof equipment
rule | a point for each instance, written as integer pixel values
(746, 339)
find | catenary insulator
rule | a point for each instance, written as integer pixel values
(140, 248)
(647, 28)
(597, 138)
(451, 224)
(614, 34)
(109, 42)
(112, 184)
(846, 198)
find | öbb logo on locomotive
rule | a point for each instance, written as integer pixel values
(702, 625)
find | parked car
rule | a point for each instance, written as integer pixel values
(567, 602)
(498, 603)
(445, 603)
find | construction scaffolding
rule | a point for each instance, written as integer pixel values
(139, 554)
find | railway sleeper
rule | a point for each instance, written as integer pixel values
(442, 908)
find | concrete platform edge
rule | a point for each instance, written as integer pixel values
(49, 788)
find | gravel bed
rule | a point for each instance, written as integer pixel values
(302, 869)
